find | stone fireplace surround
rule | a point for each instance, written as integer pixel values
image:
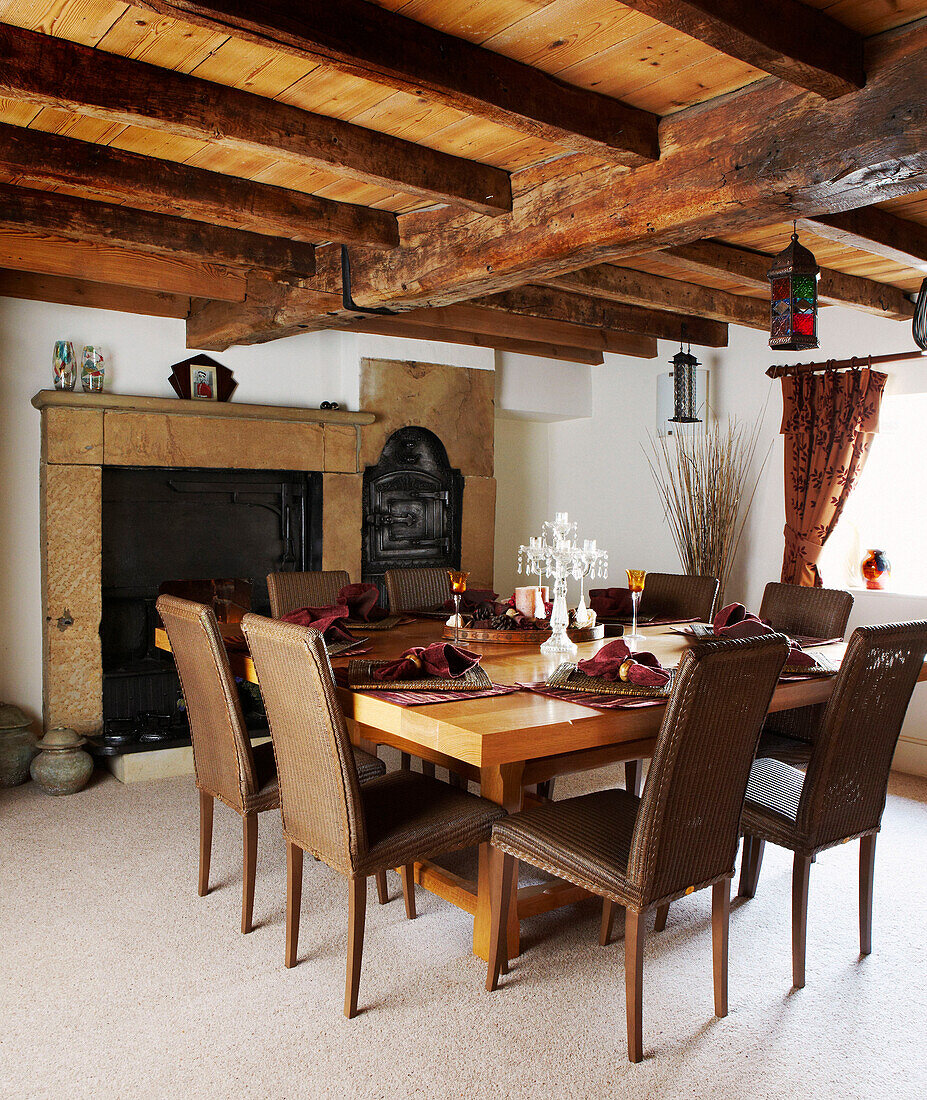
(82, 433)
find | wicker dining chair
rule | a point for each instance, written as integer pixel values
(811, 612)
(677, 595)
(681, 836)
(289, 591)
(357, 830)
(422, 589)
(841, 796)
(225, 764)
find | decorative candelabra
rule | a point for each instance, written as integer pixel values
(556, 555)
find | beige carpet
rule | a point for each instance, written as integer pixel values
(116, 980)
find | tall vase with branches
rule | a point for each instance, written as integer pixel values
(706, 481)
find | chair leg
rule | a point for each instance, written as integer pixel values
(501, 872)
(206, 806)
(801, 873)
(608, 922)
(634, 981)
(405, 762)
(546, 789)
(382, 891)
(428, 768)
(720, 925)
(633, 771)
(407, 874)
(659, 922)
(294, 897)
(357, 912)
(867, 847)
(750, 863)
(250, 838)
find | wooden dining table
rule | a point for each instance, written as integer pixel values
(510, 743)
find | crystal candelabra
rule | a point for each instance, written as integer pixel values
(555, 554)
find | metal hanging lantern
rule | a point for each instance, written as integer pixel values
(793, 279)
(684, 364)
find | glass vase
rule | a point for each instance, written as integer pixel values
(91, 369)
(64, 365)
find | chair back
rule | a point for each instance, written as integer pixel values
(813, 612)
(845, 785)
(424, 589)
(688, 824)
(222, 758)
(677, 595)
(319, 790)
(289, 591)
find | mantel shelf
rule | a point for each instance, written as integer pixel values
(177, 406)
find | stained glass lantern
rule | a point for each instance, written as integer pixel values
(793, 278)
(684, 364)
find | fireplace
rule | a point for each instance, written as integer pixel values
(163, 525)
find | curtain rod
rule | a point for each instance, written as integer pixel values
(836, 364)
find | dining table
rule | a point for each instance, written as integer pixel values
(507, 744)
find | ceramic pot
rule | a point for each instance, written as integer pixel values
(876, 569)
(62, 766)
(17, 746)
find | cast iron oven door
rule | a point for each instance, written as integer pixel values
(412, 506)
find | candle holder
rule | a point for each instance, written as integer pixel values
(555, 555)
(458, 579)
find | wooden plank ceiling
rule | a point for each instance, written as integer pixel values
(558, 177)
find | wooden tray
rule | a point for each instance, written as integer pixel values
(522, 637)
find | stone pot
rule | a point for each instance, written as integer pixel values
(62, 766)
(17, 746)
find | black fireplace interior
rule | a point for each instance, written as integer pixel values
(166, 525)
(413, 499)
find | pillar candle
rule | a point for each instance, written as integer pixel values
(530, 601)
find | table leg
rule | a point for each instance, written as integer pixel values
(500, 783)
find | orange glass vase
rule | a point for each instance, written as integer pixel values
(876, 569)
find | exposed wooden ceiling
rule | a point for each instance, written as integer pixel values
(563, 177)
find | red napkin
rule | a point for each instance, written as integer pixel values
(440, 660)
(324, 620)
(472, 599)
(361, 601)
(735, 621)
(644, 671)
(607, 602)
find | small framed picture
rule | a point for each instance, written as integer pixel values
(203, 383)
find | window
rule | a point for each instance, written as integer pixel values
(888, 508)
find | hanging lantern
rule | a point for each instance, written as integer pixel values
(684, 364)
(793, 278)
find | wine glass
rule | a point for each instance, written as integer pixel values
(636, 585)
(458, 579)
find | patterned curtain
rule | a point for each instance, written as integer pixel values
(828, 421)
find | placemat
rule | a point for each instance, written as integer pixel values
(342, 649)
(625, 620)
(361, 678)
(594, 699)
(567, 677)
(381, 624)
(425, 698)
(823, 666)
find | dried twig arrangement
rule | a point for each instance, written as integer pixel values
(703, 476)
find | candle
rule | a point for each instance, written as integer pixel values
(561, 517)
(530, 601)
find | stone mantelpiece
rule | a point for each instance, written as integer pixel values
(82, 433)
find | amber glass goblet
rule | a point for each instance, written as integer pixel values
(458, 579)
(636, 579)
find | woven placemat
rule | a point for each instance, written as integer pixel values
(360, 678)
(567, 677)
(597, 700)
(381, 624)
(337, 648)
(823, 666)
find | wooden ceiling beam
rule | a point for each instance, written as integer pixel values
(368, 42)
(749, 268)
(877, 232)
(554, 304)
(724, 169)
(52, 254)
(407, 329)
(33, 157)
(48, 212)
(80, 292)
(51, 72)
(639, 288)
(788, 39)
